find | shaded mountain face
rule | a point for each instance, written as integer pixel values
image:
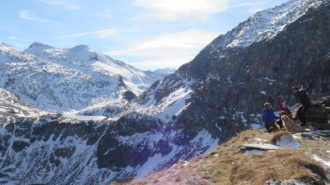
(205, 102)
(41, 148)
(59, 80)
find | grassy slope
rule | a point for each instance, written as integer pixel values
(228, 164)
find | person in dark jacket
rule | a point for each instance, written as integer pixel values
(303, 98)
(269, 118)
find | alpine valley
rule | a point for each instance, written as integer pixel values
(77, 116)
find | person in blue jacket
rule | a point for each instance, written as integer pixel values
(269, 118)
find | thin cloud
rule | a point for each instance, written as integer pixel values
(158, 63)
(107, 14)
(27, 15)
(168, 50)
(18, 39)
(101, 34)
(170, 10)
(69, 4)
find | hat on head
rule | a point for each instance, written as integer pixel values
(295, 87)
(267, 104)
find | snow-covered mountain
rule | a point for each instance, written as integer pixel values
(264, 25)
(59, 80)
(207, 101)
(86, 60)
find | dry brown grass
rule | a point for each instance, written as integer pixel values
(233, 167)
(282, 164)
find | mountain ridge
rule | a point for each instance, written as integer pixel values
(96, 77)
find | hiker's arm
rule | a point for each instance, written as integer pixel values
(264, 116)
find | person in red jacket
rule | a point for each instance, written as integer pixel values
(283, 106)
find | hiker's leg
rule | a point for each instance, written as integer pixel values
(275, 128)
(299, 114)
(302, 116)
(279, 122)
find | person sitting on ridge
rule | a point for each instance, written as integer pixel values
(283, 106)
(269, 118)
(303, 98)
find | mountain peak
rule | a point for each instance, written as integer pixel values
(266, 24)
(40, 46)
(81, 47)
(5, 46)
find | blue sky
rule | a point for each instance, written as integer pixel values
(148, 34)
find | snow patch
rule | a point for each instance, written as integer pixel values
(254, 151)
(258, 139)
(154, 162)
(256, 126)
(287, 141)
(204, 138)
(168, 107)
(317, 158)
(71, 115)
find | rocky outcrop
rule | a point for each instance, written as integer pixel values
(284, 182)
(129, 95)
(319, 114)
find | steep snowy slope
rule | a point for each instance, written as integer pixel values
(98, 65)
(11, 107)
(265, 24)
(59, 80)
